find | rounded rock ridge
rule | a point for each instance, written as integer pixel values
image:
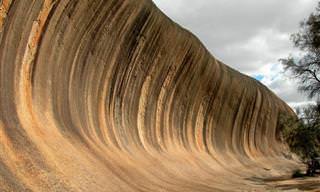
(111, 95)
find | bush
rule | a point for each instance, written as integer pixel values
(302, 134)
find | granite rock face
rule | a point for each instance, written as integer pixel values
(111, 95)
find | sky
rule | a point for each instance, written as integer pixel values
(248, 35)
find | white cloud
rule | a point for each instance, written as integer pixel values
(249, 35)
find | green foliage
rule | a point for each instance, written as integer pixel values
(302, 134)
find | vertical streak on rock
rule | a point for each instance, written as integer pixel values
(111, 95)
(24, 99)
(4, 8)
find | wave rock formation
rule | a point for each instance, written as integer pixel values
(111, 95)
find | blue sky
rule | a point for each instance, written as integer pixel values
(248, 35)
(258, 77)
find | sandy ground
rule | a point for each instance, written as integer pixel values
(289, 184)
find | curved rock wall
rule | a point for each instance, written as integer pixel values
(111, 95)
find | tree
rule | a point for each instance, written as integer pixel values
(307, 68)
(303, 134)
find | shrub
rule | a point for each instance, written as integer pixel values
(302, 134)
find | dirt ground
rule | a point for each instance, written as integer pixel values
(298, 184)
